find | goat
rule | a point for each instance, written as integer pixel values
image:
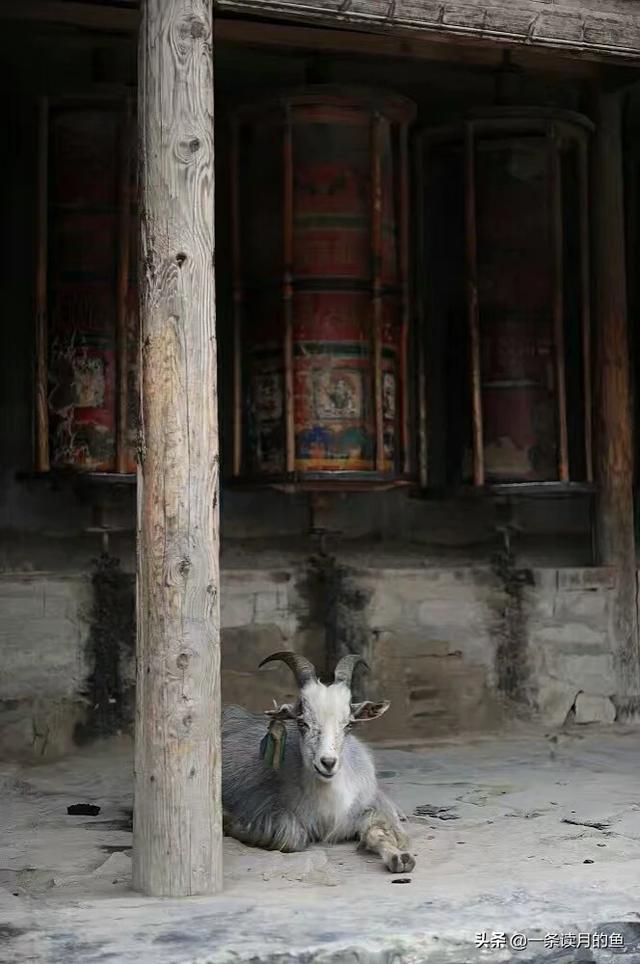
(325, 788)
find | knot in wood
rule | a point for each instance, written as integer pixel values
(184, 567)
(180, 258)
(192, 28)
(182, 661)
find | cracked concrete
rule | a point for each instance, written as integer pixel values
(516, 833)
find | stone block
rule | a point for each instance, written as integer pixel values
(454, 615)
(572, 637)
(22, 599)
(597, 577)
(236, 609)
(385, 609)
(590, 605)
(44, 655)
(39, 730)
(544, 580)
(244, 647)
(554, 698)
(594, 709)
(538, 604)
(592, 673)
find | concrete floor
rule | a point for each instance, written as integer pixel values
(503, 842)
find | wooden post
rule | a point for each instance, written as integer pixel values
(177, 812)
(122, 289)
(473, 307)
(585, 304)
(238, 300)
(557, 271)
(614, 447)
(376, 284)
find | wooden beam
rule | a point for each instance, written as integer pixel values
(614, 446)
(401, 45)
(94, 16)
(177, 813)
(593, 28)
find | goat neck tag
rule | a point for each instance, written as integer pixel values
(273, 743)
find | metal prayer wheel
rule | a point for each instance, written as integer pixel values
(87, 259)
(321, 289)
(518, 274)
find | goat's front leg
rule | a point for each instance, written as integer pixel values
(384, 838)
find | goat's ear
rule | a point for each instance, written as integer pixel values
(285, 712)
(361, 712)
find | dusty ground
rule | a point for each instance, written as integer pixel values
(503, 842)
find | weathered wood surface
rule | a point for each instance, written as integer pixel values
(177, 814)
(593, 27)
(614, 440)
(602, 29)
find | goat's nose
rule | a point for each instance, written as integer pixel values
(328, 762)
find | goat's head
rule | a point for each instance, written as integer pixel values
(323, 713)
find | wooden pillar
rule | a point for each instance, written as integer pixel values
(177, 812)
(614, 446)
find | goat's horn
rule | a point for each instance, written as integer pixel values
(302, 669)
(344, 669)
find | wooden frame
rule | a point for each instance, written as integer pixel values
(514, 121)
(340, 480)
(125, 107)
(122, 290)
(555, 207)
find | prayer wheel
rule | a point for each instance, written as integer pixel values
(88, 261)
(320, 239)
(519, 256)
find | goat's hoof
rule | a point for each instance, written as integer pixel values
(401, 863)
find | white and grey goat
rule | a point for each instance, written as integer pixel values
(325, 788)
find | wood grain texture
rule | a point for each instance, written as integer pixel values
(177, 814)
(556, 248)
(473, 307)
(614, 445)
(596, 28)
(585, 305)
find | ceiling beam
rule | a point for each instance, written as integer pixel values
(414, 46)
(92, 16)
(607, 30)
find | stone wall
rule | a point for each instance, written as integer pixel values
(44, 631)
(458, 648)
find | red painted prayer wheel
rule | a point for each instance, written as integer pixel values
(321, 289)
(519, 260)
(90, 222)
(82, 258)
